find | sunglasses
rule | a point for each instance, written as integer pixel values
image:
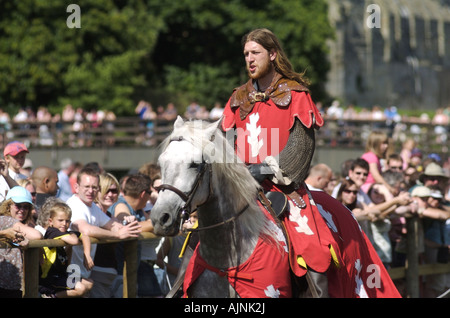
(395, 168)
(350, 191)
(112, 191)
(22, 206)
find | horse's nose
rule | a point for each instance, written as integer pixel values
(165, 219)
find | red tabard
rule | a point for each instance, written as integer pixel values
(265, 130)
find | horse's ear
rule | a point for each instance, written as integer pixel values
(212, 128)
(179, 122)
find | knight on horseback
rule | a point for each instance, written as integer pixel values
(274, 120)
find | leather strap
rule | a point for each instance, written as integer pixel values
(181, 272)
(268, 206)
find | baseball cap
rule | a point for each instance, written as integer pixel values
(434, 156)
(13, 148)
(436, 194)
(416, 153)
(19, 195)
(421, 192)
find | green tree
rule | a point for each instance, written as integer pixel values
(100, 65)
(163, 51)
(199, 51)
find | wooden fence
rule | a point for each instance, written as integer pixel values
(32, 255)
(412, 272)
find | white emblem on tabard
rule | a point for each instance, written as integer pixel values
(253, 138)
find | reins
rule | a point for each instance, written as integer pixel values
(221, 223)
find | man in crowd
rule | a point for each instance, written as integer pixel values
(45, 181)
(88, 219)
(318, 177)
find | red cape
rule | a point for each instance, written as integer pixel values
(360, 272)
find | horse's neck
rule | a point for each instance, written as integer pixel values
(223, 246)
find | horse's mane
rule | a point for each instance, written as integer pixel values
(232, 182)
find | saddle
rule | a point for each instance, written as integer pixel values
(278, 201)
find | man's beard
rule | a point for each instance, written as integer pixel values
(262, 70)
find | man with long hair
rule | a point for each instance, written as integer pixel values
(273, 120)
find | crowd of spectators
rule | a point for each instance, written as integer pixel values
(383, 188)
(377, 113)
(77, 127)
(413, 184)
(344, 125)
(351, 126)
(71, 203)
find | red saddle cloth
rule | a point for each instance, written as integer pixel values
(264, 275)
(329, 239)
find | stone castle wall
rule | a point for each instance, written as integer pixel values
(402, 61)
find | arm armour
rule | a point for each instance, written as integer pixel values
(295, 158)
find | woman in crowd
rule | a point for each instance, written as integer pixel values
(347, 195)
(15, 214)
(13, 232)
(105, 269)
(18, 204)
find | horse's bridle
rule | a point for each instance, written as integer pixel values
(185, 211)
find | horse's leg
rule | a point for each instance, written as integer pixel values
(232, 291)
(311, 285)
(210, 285)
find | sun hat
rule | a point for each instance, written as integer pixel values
(13, 148)
(421, 192)
(433, 170)
(19, 195)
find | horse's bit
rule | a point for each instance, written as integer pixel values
(187, 197)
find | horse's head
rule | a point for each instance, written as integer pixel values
(185, 184)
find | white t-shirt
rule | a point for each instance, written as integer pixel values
(4, 187)
(92, 215)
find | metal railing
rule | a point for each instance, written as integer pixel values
(133, 132)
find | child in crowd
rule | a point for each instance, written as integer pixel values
(376, 147)
(54, 279)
